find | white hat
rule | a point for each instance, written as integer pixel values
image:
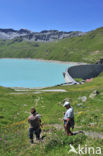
(66, 103)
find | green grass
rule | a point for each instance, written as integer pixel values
(15, 108)
(87, 48)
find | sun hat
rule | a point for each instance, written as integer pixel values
(66, 103)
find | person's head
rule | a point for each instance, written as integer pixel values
(67, 104)
(33, 110)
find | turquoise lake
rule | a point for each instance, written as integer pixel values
(30, 73)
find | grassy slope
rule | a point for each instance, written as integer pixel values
(15, 110)
(87, 48)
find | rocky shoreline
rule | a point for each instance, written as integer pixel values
(50, 61)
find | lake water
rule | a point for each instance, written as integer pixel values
(30, 73)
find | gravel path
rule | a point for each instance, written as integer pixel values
(94, 135)
(38, 91)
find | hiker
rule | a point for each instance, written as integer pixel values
(35, 124)
(68, 118)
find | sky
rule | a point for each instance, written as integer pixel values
(62, 15)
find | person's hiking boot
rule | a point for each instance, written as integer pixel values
(70, 134)
(37, 137)
(31, 141)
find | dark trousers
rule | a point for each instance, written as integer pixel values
(69, 125)
(33, 131)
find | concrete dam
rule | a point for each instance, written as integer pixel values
(82, 71)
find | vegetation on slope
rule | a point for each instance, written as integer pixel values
(15, 107)
(87, 48)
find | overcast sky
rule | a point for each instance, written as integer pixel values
(38, 15)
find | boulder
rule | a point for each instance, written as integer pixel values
(93, 94)
(83, 98)
(79, 104)
(100, 61)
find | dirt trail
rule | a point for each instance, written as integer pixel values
(38, 91)
(92, 134)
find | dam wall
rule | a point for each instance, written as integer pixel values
(85, 71)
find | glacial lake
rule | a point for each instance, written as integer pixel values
(29, 73)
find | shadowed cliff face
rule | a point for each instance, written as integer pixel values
(43, 36)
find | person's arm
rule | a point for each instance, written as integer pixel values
(28, 120)
(67, 122)
(38, 116)
(40, 122)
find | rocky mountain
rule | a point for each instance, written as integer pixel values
(82, 48)
(8, 34)
(43, 36)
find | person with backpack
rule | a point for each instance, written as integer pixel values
(35, 125)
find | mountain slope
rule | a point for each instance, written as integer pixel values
(15, 108)
(43, 36)
(86, 48)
